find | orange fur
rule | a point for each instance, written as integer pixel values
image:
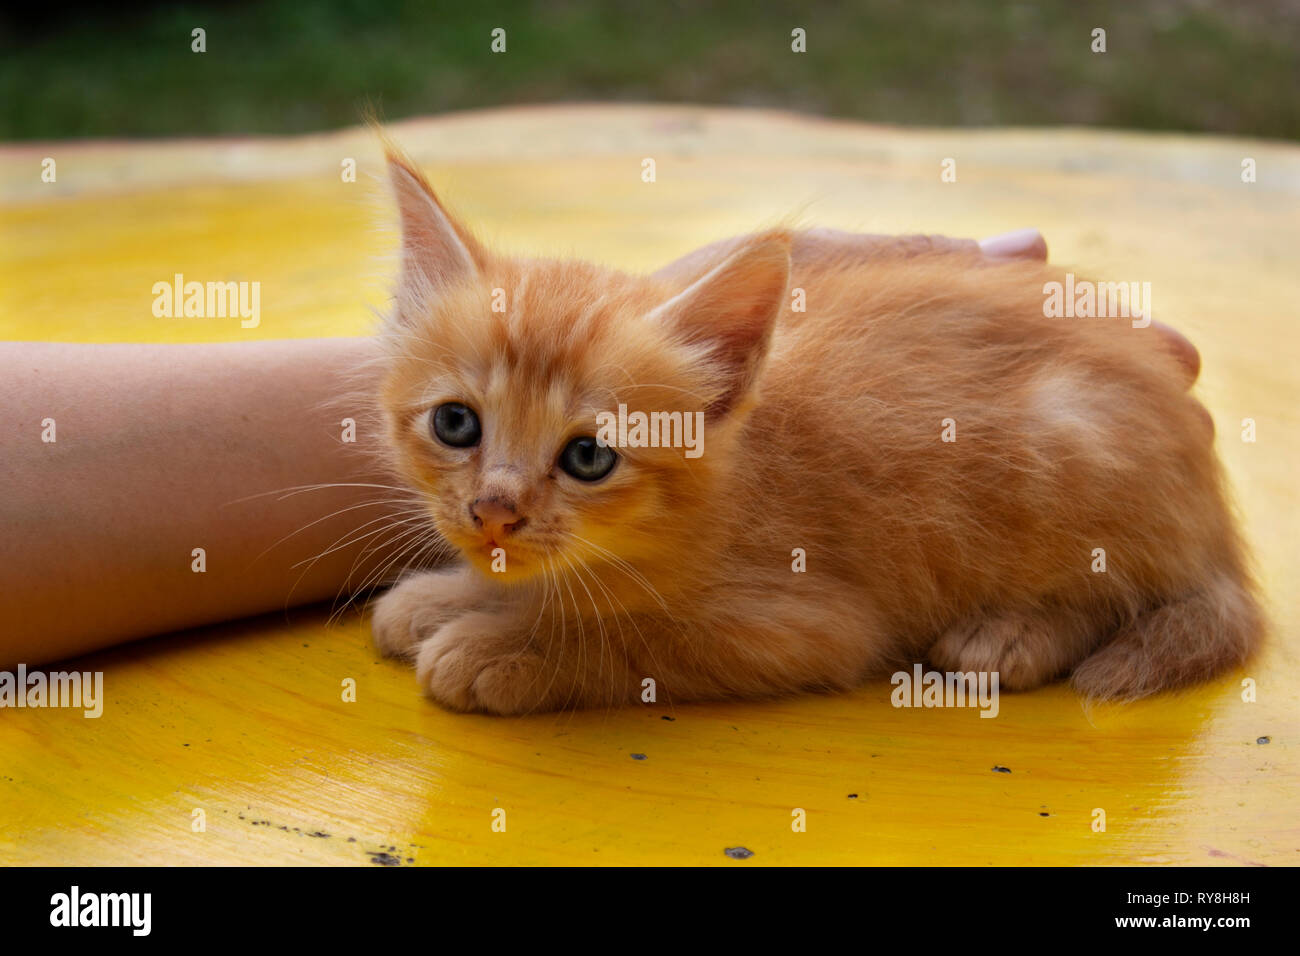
(823, 434)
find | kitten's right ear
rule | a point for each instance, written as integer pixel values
(436, 250)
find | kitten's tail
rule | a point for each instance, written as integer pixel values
(1185, 641)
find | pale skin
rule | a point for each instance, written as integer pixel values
(235, 449)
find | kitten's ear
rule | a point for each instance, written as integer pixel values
(436, 250)
(733, 309)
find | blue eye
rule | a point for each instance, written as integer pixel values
(456, 425)
(587, 460)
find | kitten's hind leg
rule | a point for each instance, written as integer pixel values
(1026, 647)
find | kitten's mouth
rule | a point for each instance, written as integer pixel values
(500, 559)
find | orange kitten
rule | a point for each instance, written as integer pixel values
(822, 531)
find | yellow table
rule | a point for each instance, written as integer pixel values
(246, 721)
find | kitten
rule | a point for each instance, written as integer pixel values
(826, 532)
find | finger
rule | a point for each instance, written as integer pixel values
(1203, 413)
(1021, 244)
(1181, 348)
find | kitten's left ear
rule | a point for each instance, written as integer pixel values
(437, 251)
(733, 310)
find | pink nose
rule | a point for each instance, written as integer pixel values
(496, 516)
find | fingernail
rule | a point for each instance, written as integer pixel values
(1021, 244)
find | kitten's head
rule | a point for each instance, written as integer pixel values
(500, 373)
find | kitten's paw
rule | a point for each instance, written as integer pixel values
(416, 607)
(1025, 649)
(472, 664)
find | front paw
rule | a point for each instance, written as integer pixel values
(416, 607)
(474, 663)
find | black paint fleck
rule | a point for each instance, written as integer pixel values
(1263, 740)
(738, 852)
(637, 756)
(384, 859)
(666, 717)
(997, 769)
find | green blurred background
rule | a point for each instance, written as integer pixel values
(286, 66)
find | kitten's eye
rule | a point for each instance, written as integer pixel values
(456, 425)
(587, 460)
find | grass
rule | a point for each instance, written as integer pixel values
(75, 70)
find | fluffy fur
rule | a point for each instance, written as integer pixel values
(822, 433)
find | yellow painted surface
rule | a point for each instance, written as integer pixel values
(246, 721)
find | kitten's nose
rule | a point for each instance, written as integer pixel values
(496, 516)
